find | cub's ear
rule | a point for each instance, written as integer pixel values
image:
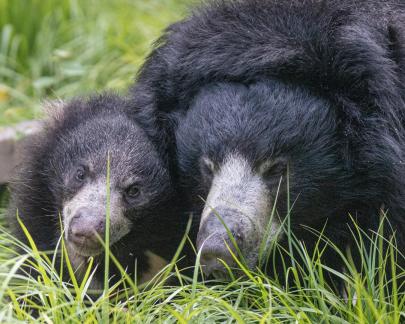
(53, 110)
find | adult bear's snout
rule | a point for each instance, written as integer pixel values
(216, 243)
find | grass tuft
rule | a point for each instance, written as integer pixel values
(370, 296)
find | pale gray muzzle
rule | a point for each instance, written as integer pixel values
(239, 199)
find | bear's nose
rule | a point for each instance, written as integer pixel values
(213, 259)
(216, 245)
(85, 226)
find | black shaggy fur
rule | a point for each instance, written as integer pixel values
(346, 56)
(81, 132)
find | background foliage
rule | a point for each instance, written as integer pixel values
(65, 48)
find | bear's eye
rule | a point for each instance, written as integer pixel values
(80, 174)
(208, 166)
(132, 191)
(272, 168)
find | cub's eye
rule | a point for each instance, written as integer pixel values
(80, 174)
(132, 192)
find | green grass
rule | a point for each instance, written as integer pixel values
(65, 48)
(251, 298)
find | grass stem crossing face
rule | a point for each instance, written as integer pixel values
(85, 184)
(240, 199)
(84, 218)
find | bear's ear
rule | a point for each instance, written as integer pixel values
(396, 35)
(366, 71)
(53, 110)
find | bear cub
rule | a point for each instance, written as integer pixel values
(61, 189)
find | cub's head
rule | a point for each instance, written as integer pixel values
(100, 161)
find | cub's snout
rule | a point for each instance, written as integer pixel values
(86, 229)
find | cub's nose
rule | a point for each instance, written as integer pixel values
(84, 227)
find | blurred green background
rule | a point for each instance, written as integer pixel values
(64, 48)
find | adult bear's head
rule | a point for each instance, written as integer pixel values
(237, 146)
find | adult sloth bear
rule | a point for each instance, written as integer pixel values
(63, 178)
(315, 87)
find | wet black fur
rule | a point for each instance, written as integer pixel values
(345, 58)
